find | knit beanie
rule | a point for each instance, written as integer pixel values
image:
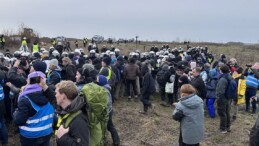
(40, 66)
(102, 80)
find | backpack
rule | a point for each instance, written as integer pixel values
(160, 77)
(231, 92)
(96, 107)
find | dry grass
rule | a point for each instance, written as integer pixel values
(161, 130)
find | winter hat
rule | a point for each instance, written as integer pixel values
(36, 74)
(102, 80)
(107, 60)
(54, 62)
(40, 66)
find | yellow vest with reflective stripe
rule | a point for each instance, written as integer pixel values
(35, 48)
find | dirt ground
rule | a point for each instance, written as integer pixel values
(159, 129)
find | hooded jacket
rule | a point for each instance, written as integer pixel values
(148, 83)
(189, 112)
(78, 134)
(222, 86)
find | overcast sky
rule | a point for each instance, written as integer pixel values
(165, 20)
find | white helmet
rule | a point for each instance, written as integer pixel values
(64, 54)
(151, 52)
(78, 51)
(55, 53)
(117, 50)
(112, 53)
(45, 52)
(108, 52)
(92, 51)
(59, 43)
(157, 53)
(42, 49)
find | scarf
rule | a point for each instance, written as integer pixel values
(30, 89)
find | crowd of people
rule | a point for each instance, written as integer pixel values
(54, 89)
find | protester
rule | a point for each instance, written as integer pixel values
(222, 101)
(189, 112)
(73, 127)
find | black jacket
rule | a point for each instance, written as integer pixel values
(18, 80)
(78, 134)
(148, 84)
(199, 85)
(69, 73)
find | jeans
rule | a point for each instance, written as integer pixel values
(224, 113)
(250, 93)
(3, 131)
(210, 106)
(113, 131)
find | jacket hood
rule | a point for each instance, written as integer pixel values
(75, 105)
(38, 98)
(107, 86)
(192, 101)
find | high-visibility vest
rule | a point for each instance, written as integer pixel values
(54, 42)
(35, 48)
(3, 40)
(109, 72)
(40, 124)
(24, 43)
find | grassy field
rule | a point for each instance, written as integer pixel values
(158, 128)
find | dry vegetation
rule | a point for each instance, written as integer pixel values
(158, 128)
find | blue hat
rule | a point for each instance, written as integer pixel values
(102, 80)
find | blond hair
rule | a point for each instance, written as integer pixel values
(68, 60)
(187, 89)
(68, 88)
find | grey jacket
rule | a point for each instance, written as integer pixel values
(190, 113)
(222, 86)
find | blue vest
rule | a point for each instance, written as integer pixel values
(40, 124)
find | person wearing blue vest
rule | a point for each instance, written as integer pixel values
(252, 84)
(34, 115)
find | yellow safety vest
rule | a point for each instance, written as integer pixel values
(3, 40)
(35, 48)
(24, 43)
(109, 72)
(54, 42)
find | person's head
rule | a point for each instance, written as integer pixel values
(132, 60)
(187, 89)
(66, 61)
(36, 77)
(66, 92)
(106, 61)
(196, 71)
(101, 80)
(53, 64)
(38, 66)
(224, 69)
(81, 75)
